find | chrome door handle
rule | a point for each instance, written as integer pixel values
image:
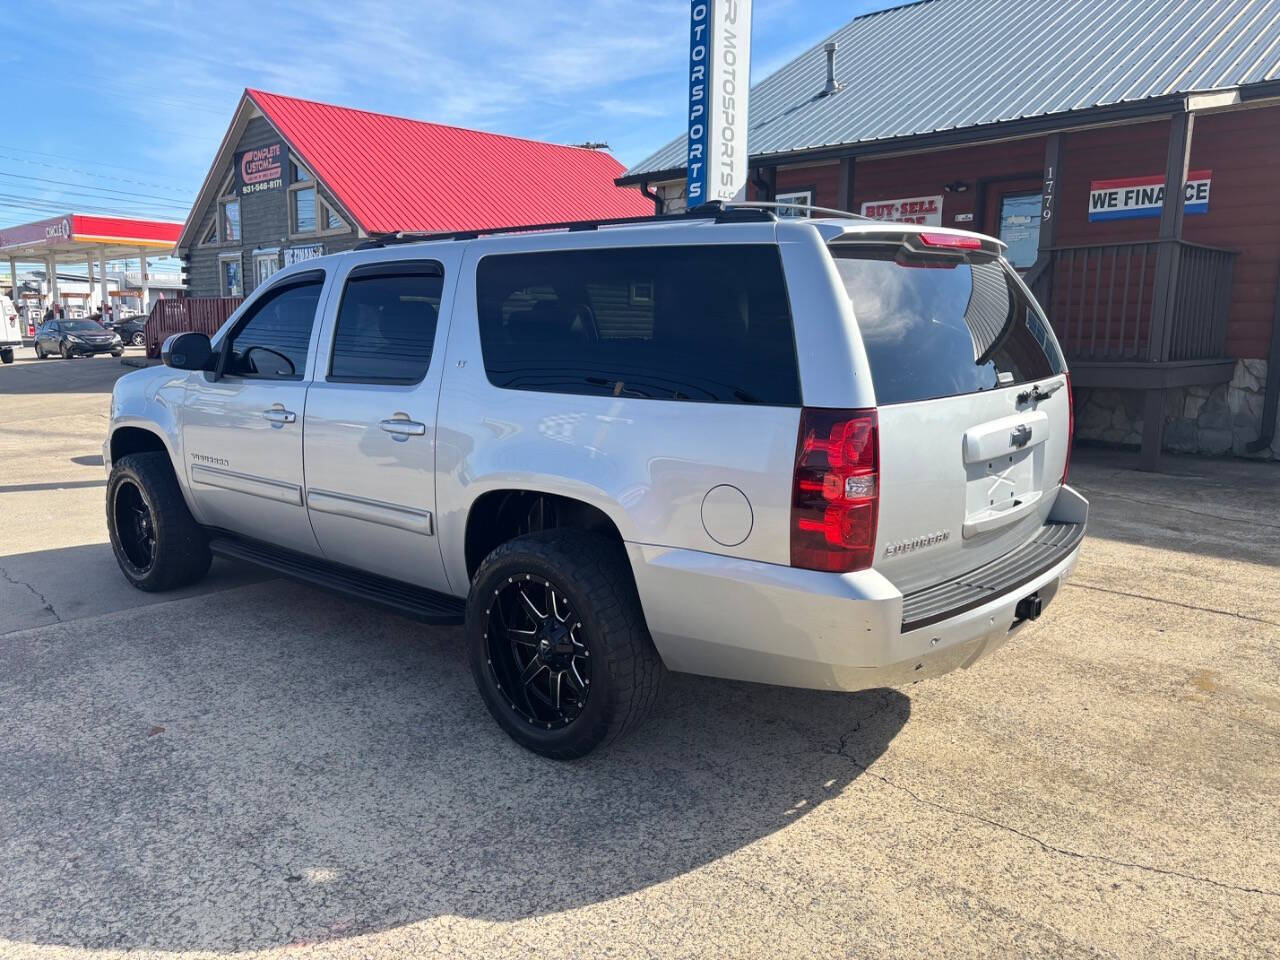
(279, 415)
(403, 429)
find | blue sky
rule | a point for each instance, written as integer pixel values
(120, 107)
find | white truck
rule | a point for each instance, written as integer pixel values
(10, 330)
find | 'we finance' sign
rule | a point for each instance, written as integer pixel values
(1131, 197)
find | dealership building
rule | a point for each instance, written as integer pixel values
(1057, 126)
(294, 179)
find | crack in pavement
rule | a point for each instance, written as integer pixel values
(44, 601)
(1042, 844)
(1175, 603)
(1250, 521)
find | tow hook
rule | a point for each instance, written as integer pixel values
(1028, 608)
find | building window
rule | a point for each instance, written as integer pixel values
(304, 210)
(330, 221)
(229, 268)
(309, 213)
(229, 217)
(264, 265)
(801, 198)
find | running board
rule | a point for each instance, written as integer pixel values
(404, 598)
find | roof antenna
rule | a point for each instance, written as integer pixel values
(831, 86)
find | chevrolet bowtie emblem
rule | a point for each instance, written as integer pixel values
(1021, 436)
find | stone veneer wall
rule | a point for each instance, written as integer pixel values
(1206, 420)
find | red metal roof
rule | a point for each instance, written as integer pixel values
(393, 174)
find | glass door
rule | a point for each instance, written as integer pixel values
(1013, 214)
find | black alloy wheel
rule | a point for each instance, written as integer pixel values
(557, 642)
(135, 527)
(156, 541)
(538, 655)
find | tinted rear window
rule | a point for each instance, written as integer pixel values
(938, 327)
(707, 323)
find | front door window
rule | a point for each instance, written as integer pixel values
(1020, 228)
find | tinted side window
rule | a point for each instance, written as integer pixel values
(940, 327)
(272, 341)
(387, 323)
(707, 323)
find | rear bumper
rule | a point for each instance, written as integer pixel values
(745, 620)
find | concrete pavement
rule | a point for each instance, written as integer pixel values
(256, 767)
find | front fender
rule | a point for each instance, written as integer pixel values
(152, 400)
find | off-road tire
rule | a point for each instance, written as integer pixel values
(593, 573)
(181, 551)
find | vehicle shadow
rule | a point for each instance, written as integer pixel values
(275, 766)
(82, 375)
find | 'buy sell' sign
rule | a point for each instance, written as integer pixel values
(1131, 197)
(922, 210)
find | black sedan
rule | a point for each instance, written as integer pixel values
(132, 330)
(75, 338)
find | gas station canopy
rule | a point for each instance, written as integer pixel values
(73, 237)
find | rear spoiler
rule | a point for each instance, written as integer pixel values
(909, 235)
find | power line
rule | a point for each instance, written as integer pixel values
(90, 173)
(87, 160)
(104, 191)
(53, 208)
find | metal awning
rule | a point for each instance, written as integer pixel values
(75, 236)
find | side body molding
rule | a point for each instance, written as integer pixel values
(371, 511)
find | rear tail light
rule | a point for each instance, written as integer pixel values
(835, 494)
(1071, 429)
(951, 241)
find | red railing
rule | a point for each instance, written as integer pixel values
(203, 314)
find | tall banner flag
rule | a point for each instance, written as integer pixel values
(719, 85)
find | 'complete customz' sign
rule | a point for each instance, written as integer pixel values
(719, 79)
(1131, 197)
(261, 168)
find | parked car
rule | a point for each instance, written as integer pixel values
(825, 453)
(132, 330)
(76, 338)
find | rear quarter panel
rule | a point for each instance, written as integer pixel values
(647, 464)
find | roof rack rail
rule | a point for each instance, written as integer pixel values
(770, 205)
(718, 211)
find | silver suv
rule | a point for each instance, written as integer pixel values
(822, 452)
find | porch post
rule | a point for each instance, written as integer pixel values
(1049, 194)
(102, 283)
(51, 267)
(146, 282)
(1164, 291)
(844, 192)
(1041, 273)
